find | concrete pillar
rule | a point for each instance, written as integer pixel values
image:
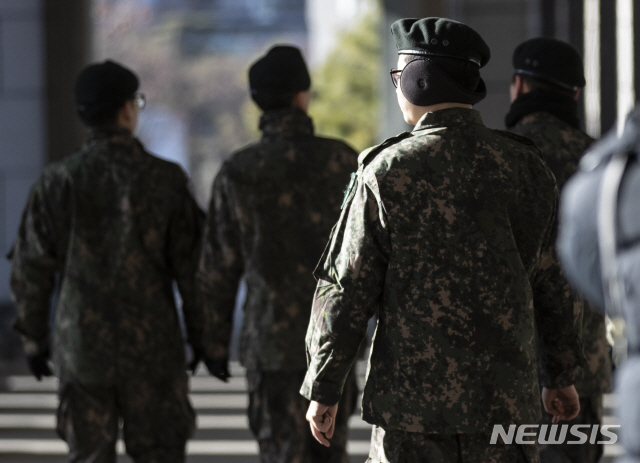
(68, 48)
(608, 68)
(22, 115)
(22, 137)
(636, 46)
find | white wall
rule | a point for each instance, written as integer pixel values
(22, 113)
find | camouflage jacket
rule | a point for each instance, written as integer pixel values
(272, 207)
(447, 235)
(116, 227)
(562, 147)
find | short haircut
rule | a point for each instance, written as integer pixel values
(270, 101)
(540, 84)
(464, 72)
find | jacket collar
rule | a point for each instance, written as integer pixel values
(448, 117)
(114, 134)
(285, 123)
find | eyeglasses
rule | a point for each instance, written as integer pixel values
(395, 76)
(140, 100)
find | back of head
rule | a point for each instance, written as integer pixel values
(550, 64)
(100, 91)
(444, 60)
(275, 78)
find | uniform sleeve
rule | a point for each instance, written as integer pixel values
(559, 313)
(184, 243)
(220, 269)
(35, 262)
(350, 278)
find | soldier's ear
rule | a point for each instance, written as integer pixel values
(128, 116)
(517, 87)
(301, 100)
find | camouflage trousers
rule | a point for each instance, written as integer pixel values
(412, 447)
(157, 419)
(277, 414)
(591, 411)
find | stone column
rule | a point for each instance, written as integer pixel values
(22, 137)
(68, 48)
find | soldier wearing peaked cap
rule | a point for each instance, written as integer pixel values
(447, 234)
(272, 206)
(117, 227)
(547, 80)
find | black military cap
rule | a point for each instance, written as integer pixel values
(281, 70)
(105, 83)
(439, 37)
(550, 59)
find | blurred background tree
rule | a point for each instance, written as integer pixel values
(347, 100)
(192, 58)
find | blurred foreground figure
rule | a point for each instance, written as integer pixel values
(114, 226)
(448, 234)
(548, 76)
(599, 247)
(272, 207)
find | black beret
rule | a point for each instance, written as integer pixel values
(550, 59)
(105, 83)
(281, 70)
(439, 37)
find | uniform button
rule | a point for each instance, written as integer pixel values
(535, 63)
(434, 41)
(445, 42)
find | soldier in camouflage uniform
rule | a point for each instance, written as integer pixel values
(272, 207)
(447, 234)
(110, 228)
(547, 80)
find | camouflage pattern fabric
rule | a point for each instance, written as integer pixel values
(448, 234)
(118, 226)
(158, 420)
(272, 207)
(561, 144)
(411, 447)
(277, 419)
(597, 377)
(562, 147)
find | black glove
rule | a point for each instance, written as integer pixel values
(218, 368)
(198, 353)
(39, 365)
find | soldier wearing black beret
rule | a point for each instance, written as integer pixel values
(547, 80)
(112, 229)
(547, 74)
(102, 90)
(272, 206)
(445, 235)
(278, 77)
